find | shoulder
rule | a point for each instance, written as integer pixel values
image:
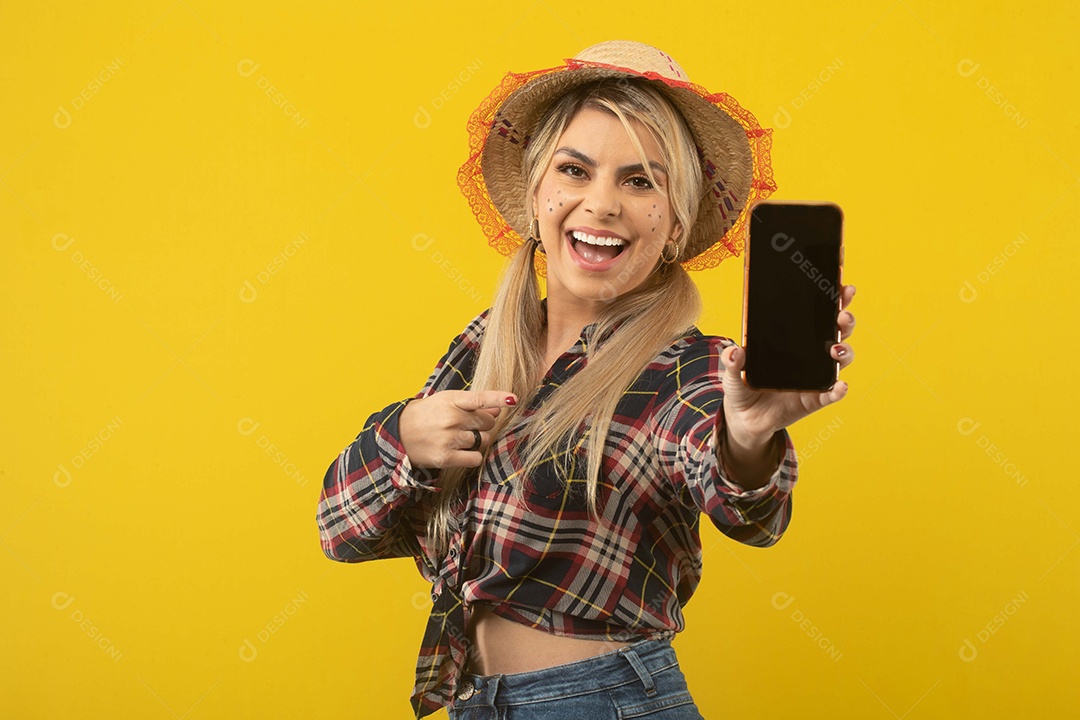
(469, 338)
(688, 376)
(454, 369)
(693, 345)
(691, 363)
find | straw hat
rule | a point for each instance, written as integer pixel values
(733, 147)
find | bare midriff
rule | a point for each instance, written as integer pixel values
(502, 646)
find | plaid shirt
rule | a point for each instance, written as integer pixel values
(548, 565)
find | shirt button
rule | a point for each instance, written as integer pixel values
(434, 595)
(453, 551)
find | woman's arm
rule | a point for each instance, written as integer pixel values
(372, 496)
(366, 492)
(705, 473)
(728, 445)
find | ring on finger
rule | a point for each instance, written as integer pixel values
(476, 440)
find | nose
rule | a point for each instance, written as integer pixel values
(602, 201)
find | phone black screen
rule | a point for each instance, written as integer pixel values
(792, 295)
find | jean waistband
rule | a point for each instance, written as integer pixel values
(634, 663)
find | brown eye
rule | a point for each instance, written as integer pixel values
(574, 171)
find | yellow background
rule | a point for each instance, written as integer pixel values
(208, 289)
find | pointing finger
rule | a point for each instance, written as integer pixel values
(483, 399)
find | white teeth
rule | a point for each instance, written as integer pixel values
(594, 240)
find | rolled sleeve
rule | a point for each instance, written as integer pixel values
(362, 509)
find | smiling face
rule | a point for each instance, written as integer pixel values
(603, 222)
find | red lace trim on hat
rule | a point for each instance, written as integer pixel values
(504, 239)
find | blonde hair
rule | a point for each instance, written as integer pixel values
(653, 314)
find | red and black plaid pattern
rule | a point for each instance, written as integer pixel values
(546, 563)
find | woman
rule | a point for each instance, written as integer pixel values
(550, 476)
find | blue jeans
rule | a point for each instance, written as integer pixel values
(642, 680)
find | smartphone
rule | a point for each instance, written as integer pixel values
(791, 295)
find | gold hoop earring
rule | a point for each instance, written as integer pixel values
(534, 235)
(665, 259)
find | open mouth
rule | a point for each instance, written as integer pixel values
(595, 252)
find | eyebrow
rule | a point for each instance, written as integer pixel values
(585, 159)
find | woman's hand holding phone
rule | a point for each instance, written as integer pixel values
(753, 416)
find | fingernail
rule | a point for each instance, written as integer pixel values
(852, 291)
(511, 401)
(840, 351)
(734, 354)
